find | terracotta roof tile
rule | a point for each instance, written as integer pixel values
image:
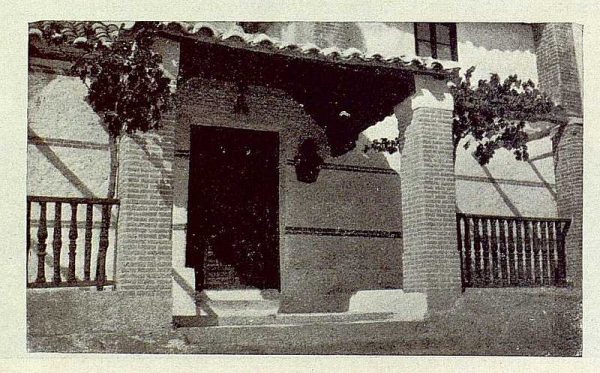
(76, 33)
(92, 34)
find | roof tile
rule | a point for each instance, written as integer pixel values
(92, 34)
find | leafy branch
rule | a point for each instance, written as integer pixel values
(126, 84)
(127, 88)
(491, 114)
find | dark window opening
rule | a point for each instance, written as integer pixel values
(437, 40)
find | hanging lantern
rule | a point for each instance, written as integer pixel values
(308, 162)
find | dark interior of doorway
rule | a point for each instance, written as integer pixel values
(233, 208)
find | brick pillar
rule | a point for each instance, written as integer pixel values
(143, 266)
(431, 262)
(568, 157)
(557, 65)
(558, 76)
(327, 34)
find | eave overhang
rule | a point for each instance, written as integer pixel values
(343, 95)
(345, 92)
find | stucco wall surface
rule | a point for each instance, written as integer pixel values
(68, 152)
(67, 156)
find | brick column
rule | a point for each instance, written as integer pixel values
(558, 76)
(143, 263)
(557, 65)
(342, 35)
(568, 157)
(431, 262)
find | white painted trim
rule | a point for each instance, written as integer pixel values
(426, 99)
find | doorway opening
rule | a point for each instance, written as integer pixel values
(233, 208)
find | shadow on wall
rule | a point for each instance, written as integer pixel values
(505, 37)
(352, 240)
(60, 166)
(513, 209)
(506, 186)
(157, 159)
(542, 179)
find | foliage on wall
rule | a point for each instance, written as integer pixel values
(491, 114)
(126, 84)
(127, 87)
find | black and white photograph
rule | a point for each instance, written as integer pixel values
(304, 187)
(300, 186)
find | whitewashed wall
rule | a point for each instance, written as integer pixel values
(505, 186)
(67, 156)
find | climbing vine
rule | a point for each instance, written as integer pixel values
(126, 84)
(491, 114)
(127, 88)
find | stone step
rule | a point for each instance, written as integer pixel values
(243, 304)
(301, 338)
(249, 307)
(269, 316)
(241, 295)
(336, 317)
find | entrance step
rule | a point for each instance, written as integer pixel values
(240, 307)
(404, 306)
(241, 295)
(314, 338)
(322, 318)
(253, 307)
(248, 317)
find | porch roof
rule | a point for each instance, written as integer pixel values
(345, 92)
(87, 35)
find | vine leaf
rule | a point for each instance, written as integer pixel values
(126, 84)
(491, 115)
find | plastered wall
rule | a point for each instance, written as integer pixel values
(67, 156)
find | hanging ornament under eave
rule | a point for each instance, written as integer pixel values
(308, 162)
(241, 106)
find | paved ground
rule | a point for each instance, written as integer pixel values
(486, 322)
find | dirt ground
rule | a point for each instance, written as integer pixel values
(536, 322)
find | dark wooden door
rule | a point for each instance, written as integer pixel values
(233, 208)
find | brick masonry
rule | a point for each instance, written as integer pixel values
(144, 227)
(318, 273)
(557, 65)
(569, 182)
(342, 35)
(430, 260)
(558, 76)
